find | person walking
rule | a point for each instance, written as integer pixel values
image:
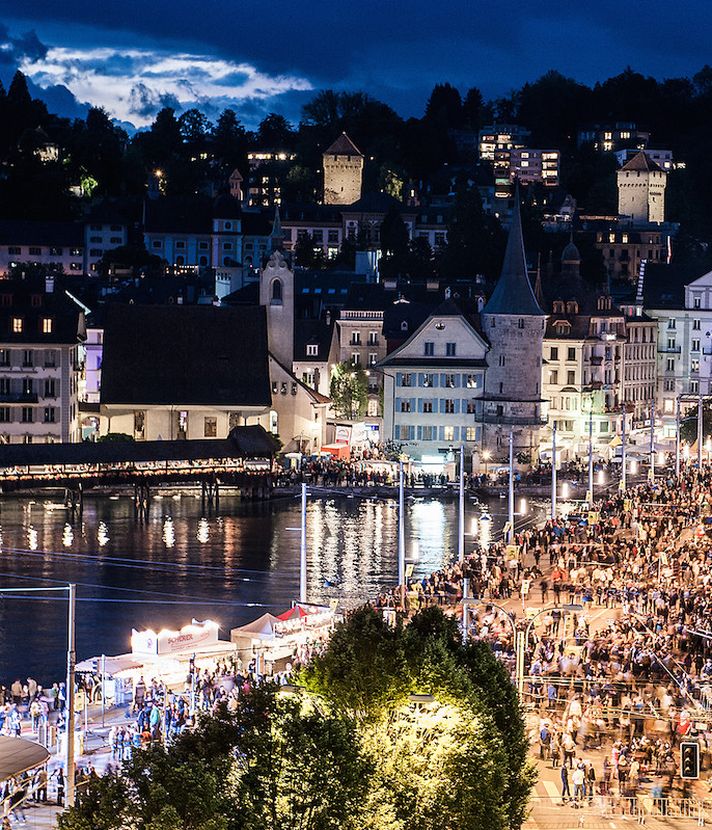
(565, 792)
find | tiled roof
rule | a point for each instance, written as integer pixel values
(343, 146)
(192, 355)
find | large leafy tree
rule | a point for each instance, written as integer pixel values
(348, 390)
(270, 765)
(424, 753)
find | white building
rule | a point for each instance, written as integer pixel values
(684, 343)
(433, 386)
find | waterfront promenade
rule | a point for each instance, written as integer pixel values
(632, 536)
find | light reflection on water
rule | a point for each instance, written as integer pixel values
(247, 556)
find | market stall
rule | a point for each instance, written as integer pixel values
(274, 640)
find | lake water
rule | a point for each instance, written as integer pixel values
(182, 563)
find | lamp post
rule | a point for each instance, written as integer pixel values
(517, 635)
(623, 452)
(700, 431)
(677, 437)
(303, 548)
(461, 513)
(553, 472)
(590, 455)
(651, 471)
(401, 533)
(511, 485)
(71, 589)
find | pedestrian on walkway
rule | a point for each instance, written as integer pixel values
(565, 792)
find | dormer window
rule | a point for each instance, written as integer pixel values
(17, 325)
(312, 349)
(404, 325)
(47, 325)
(572, 307)
(559, 307)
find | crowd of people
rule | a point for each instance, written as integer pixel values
(612, 609)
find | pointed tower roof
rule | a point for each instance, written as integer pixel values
(277, 234)
(641, 161)
(513, 293)
(343, 146)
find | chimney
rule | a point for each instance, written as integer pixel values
(49, 284)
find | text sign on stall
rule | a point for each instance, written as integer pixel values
(172, 642)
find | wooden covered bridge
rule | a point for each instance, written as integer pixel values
(242, 460)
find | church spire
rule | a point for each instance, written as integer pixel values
(277, 235)
(513, 293)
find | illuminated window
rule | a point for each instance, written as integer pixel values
(210, 427)
(17, 325)
(46, 325)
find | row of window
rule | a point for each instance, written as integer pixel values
(44, 326)
(356, 338)
(696, 324)
(444, 406)
(29, 415)
(29, 358)
(409, 432)
(433, 380)
(26, 386)
(34, 250)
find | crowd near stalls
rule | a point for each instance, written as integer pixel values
(612, 616)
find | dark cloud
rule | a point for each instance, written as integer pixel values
(146, 102)
(15, 49)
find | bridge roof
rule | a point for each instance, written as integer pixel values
(242, 442)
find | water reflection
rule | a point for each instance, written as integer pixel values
(179, 564)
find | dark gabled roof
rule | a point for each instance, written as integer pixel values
(313, 333)
(448, 308)
(376, 203)
(178, 215)
(305, 212)
(642, 162)
(343, 146)
(513, 293)
(29, 302)
(242, 442)
(256, 224)
(185, 355)
(53, 234)
(404, 311)
(664, 285)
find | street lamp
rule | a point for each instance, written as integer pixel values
(486, 455)
(71, 590)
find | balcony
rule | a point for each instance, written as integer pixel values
(514, 420)
(670, 349)
(19, 397)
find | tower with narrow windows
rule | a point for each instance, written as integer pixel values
(343, 172)
(641, 190)
(277, 296)
(513, 322)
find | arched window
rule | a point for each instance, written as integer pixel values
(277, 292)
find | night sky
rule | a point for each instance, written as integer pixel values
(134, 57)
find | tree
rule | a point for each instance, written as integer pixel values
(272, 764)
(394, 233)
(444, 107)
(275, 133)
(424, 753)
(348, 391)
(194, 128)
(307, 254)
(475, 241)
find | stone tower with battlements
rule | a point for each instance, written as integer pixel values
(343, 172)
(641, 190)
